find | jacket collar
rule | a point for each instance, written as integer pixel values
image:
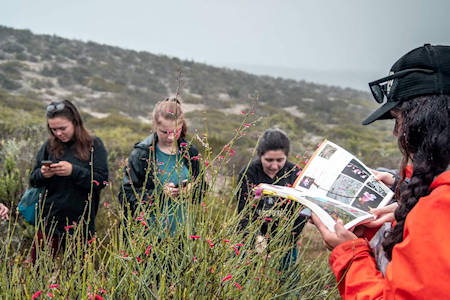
(153, 139)
(441, 179)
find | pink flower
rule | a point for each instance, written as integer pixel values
(161, 163)
(102, 291)
(147, 251)
(267, 219)
(226, 241)
(183, 144)
(36, 295)
(237, 285)
(54, 286)
(96, 182)
(221, 157)
(258, 193)
(66, 228)
(206, 163)
(210, 243)
(195, 157)
(138, 259)
(236, 250)
(50, 295)
(243, 112)
(139, 219)
(247, 125)
(144, 223)
(239, 244)
(106, 204)
(91, 240)
(105, 182)
(226, 277)
(194, 237)
(232, 152)
(195, 259)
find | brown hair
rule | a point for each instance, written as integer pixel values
(170, 109)
(83, 141)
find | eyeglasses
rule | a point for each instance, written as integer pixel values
(55, 107)
(381, 88)
(169, 132)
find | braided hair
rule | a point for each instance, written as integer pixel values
(423, 139)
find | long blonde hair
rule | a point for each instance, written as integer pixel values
(170, 109)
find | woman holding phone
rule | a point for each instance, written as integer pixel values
(72, 166)
(163, 167)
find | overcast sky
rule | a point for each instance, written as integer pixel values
(317, 35)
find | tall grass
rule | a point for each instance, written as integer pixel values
(207, 256)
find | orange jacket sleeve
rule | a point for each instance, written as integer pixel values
(420, 265)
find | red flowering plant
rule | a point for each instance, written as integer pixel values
(169, 247)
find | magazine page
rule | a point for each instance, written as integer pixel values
(334, 173)
(327, 209)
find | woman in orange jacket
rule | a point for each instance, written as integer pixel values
(417, 96)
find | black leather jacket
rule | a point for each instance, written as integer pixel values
(143, 157)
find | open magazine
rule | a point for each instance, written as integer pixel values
(335, 184)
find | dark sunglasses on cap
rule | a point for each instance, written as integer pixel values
(380, 88)
(55, 107)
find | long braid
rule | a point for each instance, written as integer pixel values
(424, 140)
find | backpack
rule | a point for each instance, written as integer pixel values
(28, 203)
(30, 199)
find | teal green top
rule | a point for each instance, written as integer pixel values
(171, 168)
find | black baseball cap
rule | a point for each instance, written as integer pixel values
(422, 71)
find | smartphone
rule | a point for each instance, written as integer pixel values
(46, 163)
(183, 184)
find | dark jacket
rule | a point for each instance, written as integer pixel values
(67, 196)
(255, 175)
(141, 158)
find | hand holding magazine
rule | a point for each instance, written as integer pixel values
(335, 185)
